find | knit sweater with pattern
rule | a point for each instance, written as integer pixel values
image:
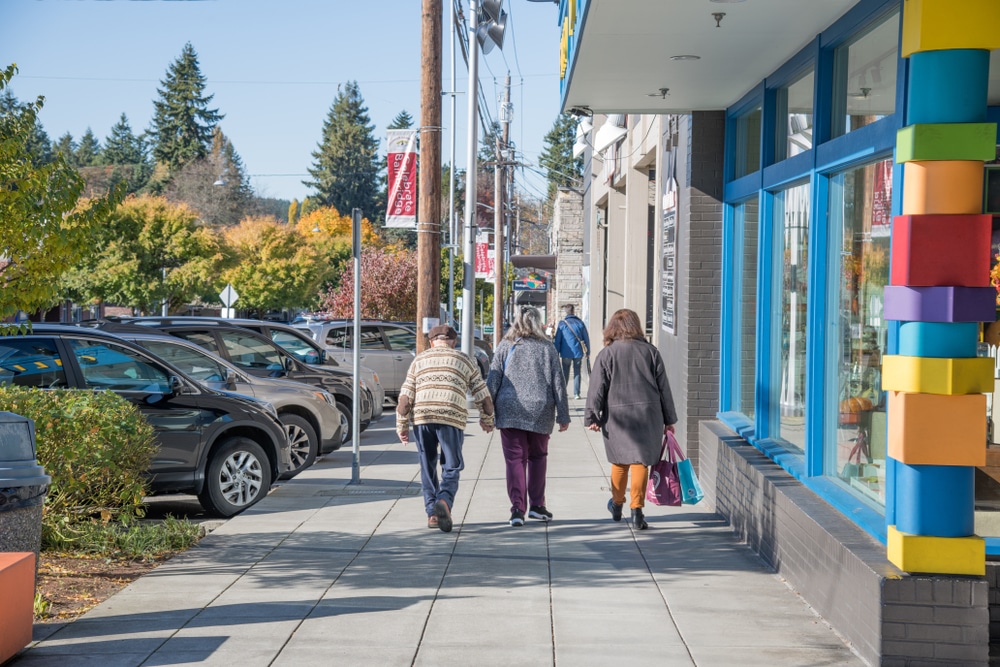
(436, 387)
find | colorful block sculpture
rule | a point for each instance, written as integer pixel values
(946, 141)
(936, 555)
(919, 436)
(939, 304)
(929, 375)
(938, 339)
(937, 500)
(948, 86)
(936, 25)
(931, 250)
(943, 186)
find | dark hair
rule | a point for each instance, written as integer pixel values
(624, 324)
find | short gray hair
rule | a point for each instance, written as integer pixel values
(527, 324)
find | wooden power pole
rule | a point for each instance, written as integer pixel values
(429, 209)
(499, 219)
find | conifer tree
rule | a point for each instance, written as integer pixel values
(122, 146)
(66, 146)
(182, 122)
(88, 151)
(557, 157)
(347, 168)
(402, 121)
(38, 146)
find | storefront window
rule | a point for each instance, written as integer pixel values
(747, 217)
(864, 78)
(747, 143)
(791, 238)
(794, 104)
(860, 219)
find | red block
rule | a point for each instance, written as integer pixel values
(941, 250)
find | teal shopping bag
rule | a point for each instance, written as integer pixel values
(690, 488)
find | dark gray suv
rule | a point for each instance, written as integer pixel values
(226, 448)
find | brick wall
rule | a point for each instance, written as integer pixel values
(890, 617)
(567, 234)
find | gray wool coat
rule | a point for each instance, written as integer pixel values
(629, 397)
(529, 394)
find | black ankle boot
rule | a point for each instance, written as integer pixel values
(638, 520)
(615, 509)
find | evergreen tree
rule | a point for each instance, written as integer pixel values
(402, 121)
(88, 150)
(347, 168)
(66, 146)
(122, 146)
(557, 157)
(488, 147)
(38, 146)
(182, 122)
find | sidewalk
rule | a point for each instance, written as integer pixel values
(323, 573)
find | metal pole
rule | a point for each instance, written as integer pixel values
(451, 177)
(356, 343)
(469, 251)
(429, 210)
(163, 305)
(506, 198)
(498, 247)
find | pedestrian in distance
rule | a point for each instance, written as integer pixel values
(434, 397)
(573, 344)
(529, 394)
(629, 401)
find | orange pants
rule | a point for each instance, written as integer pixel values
(619, 478)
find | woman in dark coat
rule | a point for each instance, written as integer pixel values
(629, 401)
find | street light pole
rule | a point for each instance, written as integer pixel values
(469, 250)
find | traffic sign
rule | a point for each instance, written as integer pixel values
(228, 296)
(488, 329)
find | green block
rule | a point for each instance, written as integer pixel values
(947, 141)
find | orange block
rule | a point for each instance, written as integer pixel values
(942, 186)
(17, 581)
(936, 429)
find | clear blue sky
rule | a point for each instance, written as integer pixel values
(273, 66)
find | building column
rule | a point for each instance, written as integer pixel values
(939, 290)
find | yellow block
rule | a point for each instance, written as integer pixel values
(933, 375)
(935, 25)
(931, 429)
(943, 186)
(936, 555)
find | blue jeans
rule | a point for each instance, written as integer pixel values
(450, 439)
(576, 373)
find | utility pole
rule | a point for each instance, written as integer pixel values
(429, 210)
(499, 218)
(468, 241)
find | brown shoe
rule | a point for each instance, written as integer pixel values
(443, 513)
(432, 521)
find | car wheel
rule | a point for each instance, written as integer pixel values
(238, 476)
(346, 419)
(304, 443)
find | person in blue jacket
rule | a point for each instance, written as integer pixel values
(573, 344)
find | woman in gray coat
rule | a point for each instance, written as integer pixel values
(529, 396)
(629, 401)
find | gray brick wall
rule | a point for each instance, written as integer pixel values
(568, 237)
(890, 617)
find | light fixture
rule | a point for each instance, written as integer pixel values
(662, 94)
(611, 132)
(586, 124)
(316, 229)
(718, 16)
(492, 20)
(685, 57)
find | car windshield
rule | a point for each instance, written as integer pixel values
(300, 348)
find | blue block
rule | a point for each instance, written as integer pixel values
(948, 86)
(935, 501)
(944, 340)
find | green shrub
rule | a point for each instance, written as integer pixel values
(96, 446)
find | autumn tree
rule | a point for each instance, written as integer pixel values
(346, 173)
(275, 266)
(44, 228)
(152, 250)
(182, 122)
(388, 287)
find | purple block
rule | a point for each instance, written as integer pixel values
(940, 304)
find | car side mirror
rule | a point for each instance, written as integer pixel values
(289, 364)
(230, 379)
(179, 388)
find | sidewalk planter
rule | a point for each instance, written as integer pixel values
(17, 571)
(23, 485)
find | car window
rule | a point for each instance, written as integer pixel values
(198, 365)
(292, 343)
(31, 362)
(107, 365)
(205, 340)
(339, 337)
(371, 338)
(400, 339)
(248, 351)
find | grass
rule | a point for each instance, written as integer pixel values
(129, 541)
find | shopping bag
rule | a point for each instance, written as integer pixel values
(689, 483)
(664, 487)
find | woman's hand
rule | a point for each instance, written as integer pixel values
(594, 427)
(669, 428)
(563, 427)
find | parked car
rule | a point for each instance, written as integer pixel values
(314, 424)
(302, 345)
(224, 447)
(253, 353)
(387, 347)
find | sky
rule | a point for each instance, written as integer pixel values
(273, 67)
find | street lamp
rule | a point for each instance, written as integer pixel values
(488, 29)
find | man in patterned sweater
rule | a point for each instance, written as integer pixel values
(434, 395)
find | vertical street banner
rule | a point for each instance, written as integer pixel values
(484, 257)
(401, 209)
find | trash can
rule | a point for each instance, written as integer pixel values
(23, 485)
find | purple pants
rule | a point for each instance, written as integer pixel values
(526, 454)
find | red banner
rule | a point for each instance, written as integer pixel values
(402, 172)
(484, 257)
